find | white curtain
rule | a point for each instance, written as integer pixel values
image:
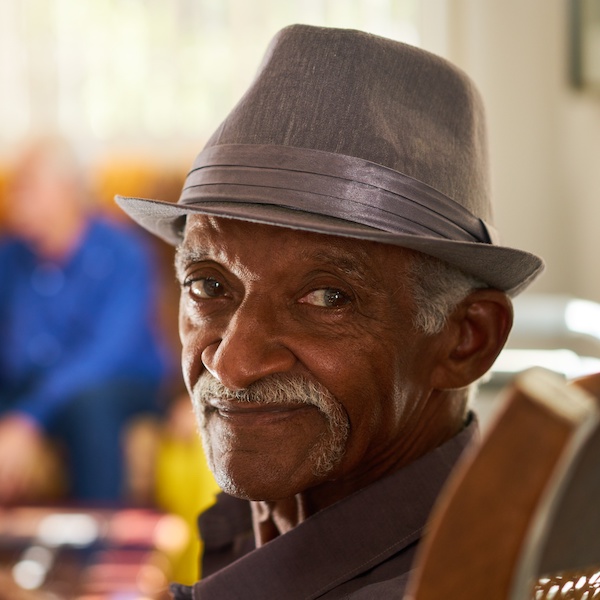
(151, 71)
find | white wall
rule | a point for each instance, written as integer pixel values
(580, 144)
(544, 136)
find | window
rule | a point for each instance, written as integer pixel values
(149, 72)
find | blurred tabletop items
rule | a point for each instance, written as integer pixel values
(68, 553)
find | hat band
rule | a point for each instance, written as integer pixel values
(332, 185)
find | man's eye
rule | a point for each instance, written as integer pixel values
(327, 298)
(206, 287)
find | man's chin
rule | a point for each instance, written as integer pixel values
(265, 479)
(271, 456)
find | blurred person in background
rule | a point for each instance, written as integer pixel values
(80, 354)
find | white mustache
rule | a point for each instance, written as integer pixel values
(275, 389)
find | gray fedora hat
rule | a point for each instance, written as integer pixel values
(348, 133)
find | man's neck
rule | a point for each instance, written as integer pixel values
(271, 519)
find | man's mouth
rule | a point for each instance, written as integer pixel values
(229, 409)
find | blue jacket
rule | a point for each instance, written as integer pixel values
(67, 327)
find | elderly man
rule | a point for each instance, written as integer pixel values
(342, 288)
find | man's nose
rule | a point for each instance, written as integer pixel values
(251, 347)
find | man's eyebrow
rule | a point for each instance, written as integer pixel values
(354, 265)
(185, 256)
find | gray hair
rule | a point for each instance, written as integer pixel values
(437, 289)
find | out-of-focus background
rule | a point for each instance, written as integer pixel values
(136, 87)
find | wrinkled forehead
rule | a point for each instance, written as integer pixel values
(226, 239)
(203, 231)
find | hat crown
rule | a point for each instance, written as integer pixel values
(349, 134)
(356, 94)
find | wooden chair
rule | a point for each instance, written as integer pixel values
(520, 517)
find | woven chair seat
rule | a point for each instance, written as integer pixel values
(569, 585)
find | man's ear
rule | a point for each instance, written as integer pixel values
(472, 338)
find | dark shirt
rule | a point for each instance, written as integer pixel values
(66, 327)
(360, 548)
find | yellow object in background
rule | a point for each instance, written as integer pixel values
(186, 487)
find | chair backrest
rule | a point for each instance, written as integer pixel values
(522, 507)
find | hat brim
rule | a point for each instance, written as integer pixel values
(507, 269)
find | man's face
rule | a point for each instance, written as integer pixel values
(262, 306)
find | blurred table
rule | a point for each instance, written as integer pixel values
(64, 553)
